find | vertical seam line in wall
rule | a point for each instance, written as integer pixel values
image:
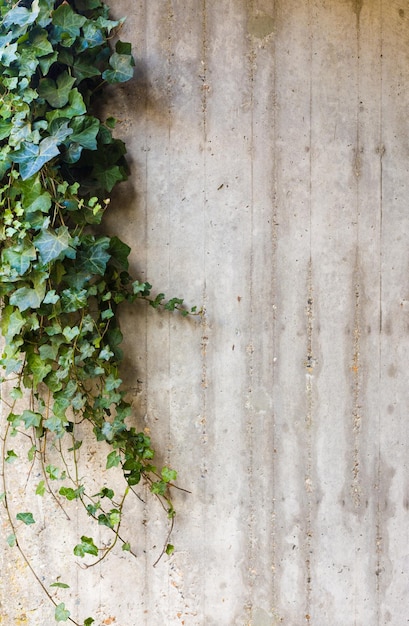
(378, 470)
(274, 229)
(169, 90)
(356, 409)
(250, 372)
(204, 323)
(145, 212)
(308, 390)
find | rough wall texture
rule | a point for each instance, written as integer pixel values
(270, 183)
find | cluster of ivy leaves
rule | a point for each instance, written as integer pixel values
(60, 281)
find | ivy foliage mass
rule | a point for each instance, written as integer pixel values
(60, 281)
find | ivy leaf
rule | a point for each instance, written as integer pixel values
(32, 157)
(113, 460)
(75, 106)
(73, 300)
(85, 130)
(60, 585)
(120, 252)
(61, 614)
(93, 35)
(11, 322)
(168, 475)
(19, 16)
(40, 489)
(11, 456)
(31, 419)
(37, 368)
(87, 546)
(71, 494)
(29, 298)
(121, 68)
(109, 177)
(11, 540)
(67, 20)
(84, 67)
(56, 93)
(26, 518)
(19, 257)
(89, 621)
(93, 256)
(39, 42)
(56, 244)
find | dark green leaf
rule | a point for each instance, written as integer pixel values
(56, 93)
(31, 157)
(122, 68)
(67, 20)
(86, 546)
(26, 518)
(37, 368)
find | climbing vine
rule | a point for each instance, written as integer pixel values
(61, 281)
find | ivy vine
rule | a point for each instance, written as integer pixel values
(61, 282)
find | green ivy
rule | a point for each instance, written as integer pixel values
(61, 282)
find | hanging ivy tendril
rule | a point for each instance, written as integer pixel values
(60, 281)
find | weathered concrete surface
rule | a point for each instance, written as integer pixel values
(270, 160)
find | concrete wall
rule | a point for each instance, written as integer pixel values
(270, 184)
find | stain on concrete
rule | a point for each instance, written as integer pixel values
(357, 7)
(260, 26)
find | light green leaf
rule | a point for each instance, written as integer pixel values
(19, 16)
(170, 549)
(60, 585)
(11, 540)
(113, 460)
(28, 298)
(168, 475)
(19, 257)
(54, 244)
(40, 489)
(30, 418)
(71, 494)
(11, 322)
(61, 614)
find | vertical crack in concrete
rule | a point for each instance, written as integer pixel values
(309, 485)
(356, 410)
(204, 322)
(309, 364)
(381, 152)
(251, 557)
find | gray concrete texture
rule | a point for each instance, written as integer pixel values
(270, 183)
